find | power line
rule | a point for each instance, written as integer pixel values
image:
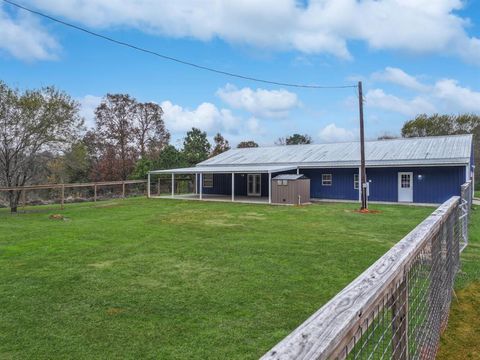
(170, 58)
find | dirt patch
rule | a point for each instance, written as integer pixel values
(115, 311)
(102, 265)
(367, 211)
(460, 340)
(220, 222)
(57, 217)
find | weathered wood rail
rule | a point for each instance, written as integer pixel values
(62, 186)
(397, 308)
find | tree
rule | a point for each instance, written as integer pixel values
(435, 125)
(196, 147)
(32, 123)
(247, 144)
(72, 166)
(150, 130)
(221, 145)
(295, 139)
(142, 167)
(115, 130)
(170, 158)
(387, 136)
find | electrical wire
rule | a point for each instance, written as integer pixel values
(177, 60)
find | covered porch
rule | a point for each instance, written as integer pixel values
(221, 183)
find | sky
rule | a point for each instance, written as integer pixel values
(412, 56)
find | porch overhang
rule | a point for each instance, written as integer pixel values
(228, 169)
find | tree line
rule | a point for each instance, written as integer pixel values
(43, 139)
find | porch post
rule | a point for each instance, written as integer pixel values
(173, 185)
(233, 186)
(201, 186)
(269, 187)
(298, 171)
(148, 187)
(196, 183)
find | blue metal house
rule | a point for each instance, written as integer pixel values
(415, 170)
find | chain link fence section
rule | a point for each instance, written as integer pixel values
(398, 308)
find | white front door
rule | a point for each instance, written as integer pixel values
(254, 187)
(405, 187)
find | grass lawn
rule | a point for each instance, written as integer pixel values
(461, 339)
(477, 194)
(169, 279)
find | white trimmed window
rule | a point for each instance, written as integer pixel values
(208, 180)
(356, 182)
(326, 179)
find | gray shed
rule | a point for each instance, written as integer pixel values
(290, 189)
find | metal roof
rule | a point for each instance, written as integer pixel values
(435, 150)
(227, 169)
(289, 177)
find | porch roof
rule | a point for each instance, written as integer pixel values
(227, 169)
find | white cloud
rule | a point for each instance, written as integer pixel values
(377, 98)
(24, 38)
(399, 77)
(88, 104)
(206, 117)
(445, 95)
(259, 102)
(320, 26)
(461, 98)
(332, 133)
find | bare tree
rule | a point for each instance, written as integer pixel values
(115, 118)
(31, 124)
(151, 134)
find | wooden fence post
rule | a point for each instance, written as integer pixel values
(24, 199)
(63, 196)
(123, 189)
(95, 193)
(400, 321)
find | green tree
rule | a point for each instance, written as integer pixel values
(196, 147)
(221, 145)
(295, 139)
(247, 144)
(142, 167)
(436, 125)
(170, 158)
(33, 123)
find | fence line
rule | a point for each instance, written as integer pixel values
(398, 308)
(94, 185)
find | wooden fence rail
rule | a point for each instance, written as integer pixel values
(94, 185)
(397, 308)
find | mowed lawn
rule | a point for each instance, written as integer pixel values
(172, 279)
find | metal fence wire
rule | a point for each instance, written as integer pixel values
(399, 307)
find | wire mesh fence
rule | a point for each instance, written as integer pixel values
(161, 185)
(46, 194)
(398, 308)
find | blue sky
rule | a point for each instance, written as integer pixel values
(413, 56)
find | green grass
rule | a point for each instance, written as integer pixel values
(460, 340)
(477, 194)
(170, 279)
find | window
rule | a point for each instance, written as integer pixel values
(282, 182)
(326, 179)
(208, 180)
(405, 181)
(356, 182)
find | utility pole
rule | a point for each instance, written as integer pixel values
(363, 175)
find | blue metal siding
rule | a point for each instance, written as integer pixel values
(437, 184)
(342, 187)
